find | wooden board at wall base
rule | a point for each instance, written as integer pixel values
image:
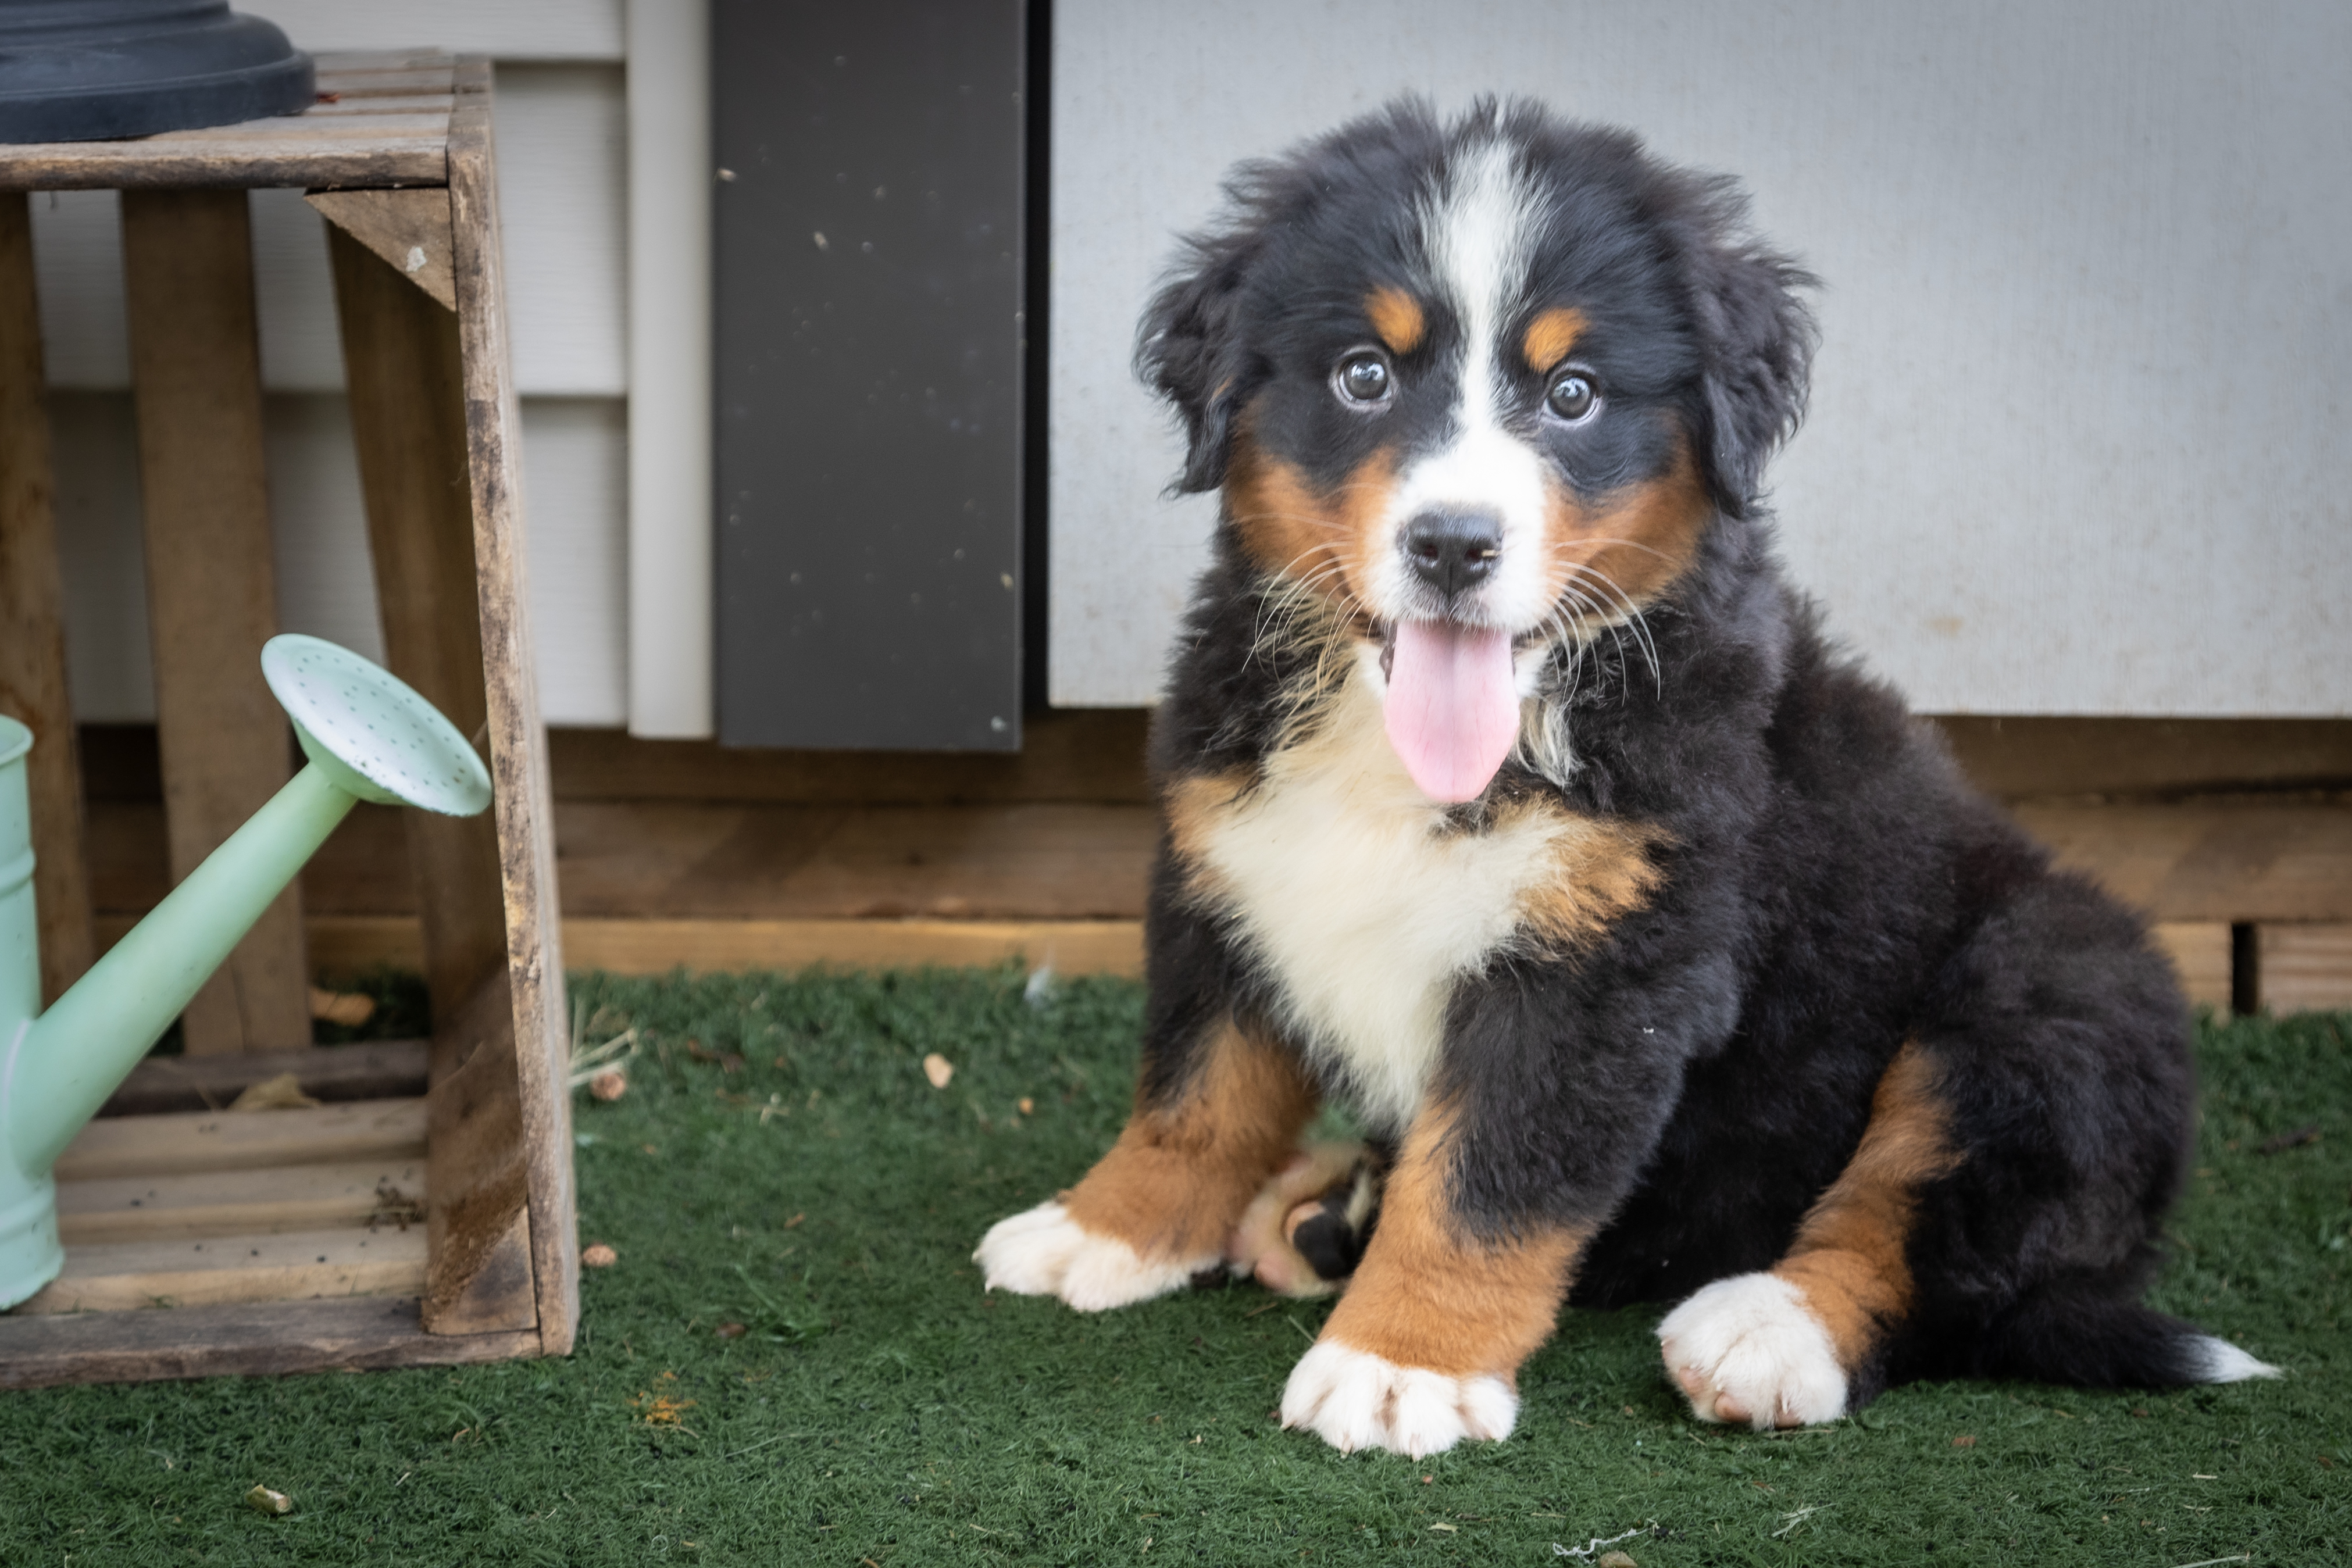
(239, 1338)
(2305, 968)
(2199, 951)
(342, 945)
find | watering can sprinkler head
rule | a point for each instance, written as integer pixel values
(368, 738)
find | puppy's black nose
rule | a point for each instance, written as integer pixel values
(1452, 551)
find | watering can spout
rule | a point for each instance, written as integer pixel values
(368, 738)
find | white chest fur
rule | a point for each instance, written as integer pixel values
(1346, 880)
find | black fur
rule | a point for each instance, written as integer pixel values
(1690, 1082)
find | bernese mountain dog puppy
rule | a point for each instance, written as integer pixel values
(1510, 794)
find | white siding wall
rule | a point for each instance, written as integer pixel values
(2077, 437)
(561, 157)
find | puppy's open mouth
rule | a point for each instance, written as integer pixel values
(1453, 704)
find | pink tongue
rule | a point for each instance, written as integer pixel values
(1452, 705)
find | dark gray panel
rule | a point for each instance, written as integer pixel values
(870, 380)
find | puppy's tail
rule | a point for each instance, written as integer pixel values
(2062, 1335)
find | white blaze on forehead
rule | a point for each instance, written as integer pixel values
(1477, 227)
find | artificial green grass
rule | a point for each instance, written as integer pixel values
(878, 1409)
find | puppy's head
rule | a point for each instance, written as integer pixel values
(1483, 386)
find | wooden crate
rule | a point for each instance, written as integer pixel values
(254, 1229)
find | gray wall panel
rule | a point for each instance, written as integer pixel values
(868, 372)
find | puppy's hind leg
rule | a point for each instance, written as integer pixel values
(1787, 1347)
(1159, 1207)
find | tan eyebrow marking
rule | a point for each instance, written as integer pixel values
(1396, 318)
(1550, 336)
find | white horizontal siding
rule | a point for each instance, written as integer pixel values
(2076, 442)
(504, 29)
(574, 462)
(560, 142)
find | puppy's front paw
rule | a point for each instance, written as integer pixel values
(1354, 1399)
(1746, 1349)
(1044, 1252)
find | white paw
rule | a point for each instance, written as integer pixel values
(1354, 1399)
(1044, 1253)
(1746, 1349)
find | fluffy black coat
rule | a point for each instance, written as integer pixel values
(1690, 1082)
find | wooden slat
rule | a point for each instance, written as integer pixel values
(2199, 952)
(657, 946)
(195, 357)
(409, 230)
(414, 155)
(2305, 968)
(406, 380)
(198, 1141)
(518, 740)
(376, 1069)
(32, 620)
(345, 945)
(241, 1338)
(1082, 756)
(113, 1277)
(2251, 858)
(2017, 759)
(1020, 861)
(479, 1224)
(341, 1196)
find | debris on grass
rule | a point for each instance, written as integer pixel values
(661, 1410)
(1596, 1544)
(2286, 1141)
(1965, 1440)
(1039, 991)
(1615, 1559)
(609, 1085)
(939, 1070)
(261, 1500)
(598, 1256)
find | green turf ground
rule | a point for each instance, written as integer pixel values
(880, 1409)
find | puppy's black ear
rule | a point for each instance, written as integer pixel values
(1756, 340)
(1189, 350)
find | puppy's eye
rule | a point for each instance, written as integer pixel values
(1362, 377)
(1573, 395)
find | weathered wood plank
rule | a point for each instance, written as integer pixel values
(657, 946)
(1079, 755)
(518, 739)
(406, 380)
(353, 944)
(211, 601)
(408, 229)
(199, 1141)
(1020, 861)
(113, 1277)
(247, 1338)
(2016, 758)
(351, 1193)
(479, 1222)
(376, 1069)
(2305, 968)
(32, 620)
(2199, 951)
(2250, 858)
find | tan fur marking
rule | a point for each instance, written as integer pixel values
(1293, 529)
(1634, 546)
(1191, 807)
(1849, 1257)
(1182, 1173)
(1428, 1294)
(1396, 318)
(1601, 870)
(1550, 336)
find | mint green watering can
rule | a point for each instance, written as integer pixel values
(368, 737)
